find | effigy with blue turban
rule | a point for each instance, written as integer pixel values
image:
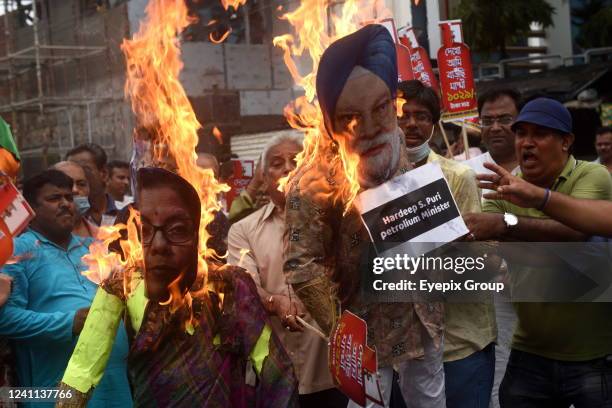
(372, 48)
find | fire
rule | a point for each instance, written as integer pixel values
(218, 135)
(102, 263)
(219, 40)
(233, 3)
(168, 123)
(399, 104)
(315, 29)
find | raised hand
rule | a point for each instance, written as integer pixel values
(506, 186)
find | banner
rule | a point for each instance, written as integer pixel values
(411, 214)
(243, 172)
(456, 76)
(352, 363)
(419, 60)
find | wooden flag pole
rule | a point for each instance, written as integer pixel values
(449, 151)
(466, 146)
(311, 327)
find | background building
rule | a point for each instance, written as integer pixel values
(62, 72)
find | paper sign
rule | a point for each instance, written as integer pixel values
(456, 76)
(419, 60)
(243, 172)
(411, 214)
(352, 363)
(16, 212)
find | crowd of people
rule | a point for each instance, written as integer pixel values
(294, 261)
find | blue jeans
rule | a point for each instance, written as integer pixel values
(534, 381)
(469, 381)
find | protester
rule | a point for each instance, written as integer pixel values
(194, 348)
(469, 350)
(118, 186)
(497, 108)
(603, 145)
(51, 297)
(356, 89)
(5, 288)
(208, 161)
(251, 198)
(93, 159)
(80, 190)
(458, 148)
(595, 215)
(559, 350)
(219, 227)
(261, 234)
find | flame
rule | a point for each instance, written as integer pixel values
(102, 263)
(167, 121)
(211, 22)
(233, 3)
(219, 40)
(316, 25)
(218, 135)
(399, 104)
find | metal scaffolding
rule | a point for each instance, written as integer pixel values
(42, 57)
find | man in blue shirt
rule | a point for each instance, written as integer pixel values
(51, 297)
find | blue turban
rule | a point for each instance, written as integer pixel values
(372, 48)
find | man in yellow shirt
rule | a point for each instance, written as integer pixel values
(469, 350)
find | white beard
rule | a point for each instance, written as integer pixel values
(375, 170)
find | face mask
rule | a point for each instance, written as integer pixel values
(419, 153)
(81, 203)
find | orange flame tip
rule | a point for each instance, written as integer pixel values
(221, 39)
(218, 135)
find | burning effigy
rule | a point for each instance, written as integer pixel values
(353, 143)
(199, 335)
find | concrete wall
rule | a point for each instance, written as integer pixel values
(559, 37)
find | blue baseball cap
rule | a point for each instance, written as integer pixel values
(546, 112)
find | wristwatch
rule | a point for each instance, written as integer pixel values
(510, 220)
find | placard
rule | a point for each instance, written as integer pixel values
(15, 210)
(242, 174)
(419, 59)
(411, 214)
(353, 365)
(456, 77)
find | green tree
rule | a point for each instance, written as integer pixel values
(490, 25)
(595, 21)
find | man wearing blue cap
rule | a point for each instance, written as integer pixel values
(559, 350)
(356, 89)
